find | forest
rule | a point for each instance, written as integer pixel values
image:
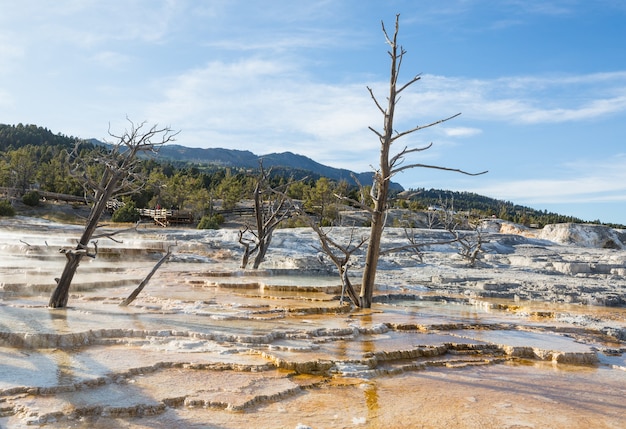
(33, 158)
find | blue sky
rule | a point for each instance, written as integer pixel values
(541, 85)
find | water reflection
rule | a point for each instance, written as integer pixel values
(371, 400)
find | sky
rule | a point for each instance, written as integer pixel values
(540, 85)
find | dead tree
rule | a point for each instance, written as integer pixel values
(271, 207)
(145, 281)
(339, 254)
(116, 176)
(470, 245)
(448, 216)
(467, 236)
(414, 245)
(432, 219)
(390, 164)
(469, 240)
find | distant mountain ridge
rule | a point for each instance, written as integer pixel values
(13, 137)
(246, 159)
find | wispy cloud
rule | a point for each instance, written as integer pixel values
(548, 7)
(461, 131)
(526, 99)
(582, 181)
(266, 105)
(272, 101)
(90, 23)
(110, 60)
(589, 110)
(279, 41)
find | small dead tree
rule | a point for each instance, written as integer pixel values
(414, 245)
(271, 207)
(390, 165)
(145, 281)
(447, 215)
(339, 254)
(115, 176)
(470, 245)
(468, 237)
(432, 219)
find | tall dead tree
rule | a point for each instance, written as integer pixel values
(115, 176)
(271, 207)
(390, 164)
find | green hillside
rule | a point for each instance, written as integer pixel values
(31, 155)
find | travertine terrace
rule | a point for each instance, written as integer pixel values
(533, 336)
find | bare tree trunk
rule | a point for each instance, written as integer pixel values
(145, 281)
(246, 256)
(389, 166)
(380, 188)
(371, 259)
(268, 213)
(264, 234)
(347, 288)
(264, 244)
(60, 295)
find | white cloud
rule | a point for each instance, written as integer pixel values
(266, 105)
(597, 181)
(588, 110)
(110, 59)
(10, 48)
(279, 42)
(89, 23)
(530, 100)
(270, 103)
(461, 131)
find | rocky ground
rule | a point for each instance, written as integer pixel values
(533, 335)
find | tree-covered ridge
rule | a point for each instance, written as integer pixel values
(298, 166)
(17, 136)
(34, 157)
(482, 206)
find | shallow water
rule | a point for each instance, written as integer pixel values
(209, 345)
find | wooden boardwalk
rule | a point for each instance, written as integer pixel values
(166, 217)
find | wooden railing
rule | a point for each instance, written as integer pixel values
(165, 217)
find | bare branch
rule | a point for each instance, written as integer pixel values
(413, 246)
(110, 235)
(380, 136)
(399, 157)
(388, 40)
(375, 100)
(417, 128)
(436, 167)
(409, 83)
